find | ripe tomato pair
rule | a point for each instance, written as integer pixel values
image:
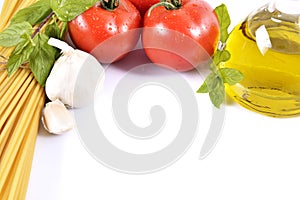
(176, 34)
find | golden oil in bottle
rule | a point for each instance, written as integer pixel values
(266, 49)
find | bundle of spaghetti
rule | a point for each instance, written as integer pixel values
(21, 103)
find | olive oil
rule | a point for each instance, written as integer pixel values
(271, 84)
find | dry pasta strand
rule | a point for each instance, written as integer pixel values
(21, 102)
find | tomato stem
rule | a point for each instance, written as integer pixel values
(110, 5)
(177, 3)
(168, 4)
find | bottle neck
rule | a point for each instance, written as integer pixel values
(291, 7)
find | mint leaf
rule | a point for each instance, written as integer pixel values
(14, 34)
(20, 55)
(42, 58)
(67, 10)
(53, 30)
(224, 20)
(231, 76)
(33, 14)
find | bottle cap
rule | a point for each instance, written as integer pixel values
(288, 6)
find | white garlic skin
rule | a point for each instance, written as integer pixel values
(74, 78)
(56, 118)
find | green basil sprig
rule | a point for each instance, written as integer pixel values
(214, 82)
(27, 34)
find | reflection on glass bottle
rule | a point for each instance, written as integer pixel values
(266, 49)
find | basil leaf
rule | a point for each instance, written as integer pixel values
(20, 55)
(42, 58)
(67, 10)
(224, 20)
(221, 56)
(34, 14)
(14, 34)
(214, 85)
(217, 95)
(53, 30)
(203, 88)
(209, 84)
(212, 81)
(231, 76)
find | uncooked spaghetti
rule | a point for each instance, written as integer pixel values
(21, 102)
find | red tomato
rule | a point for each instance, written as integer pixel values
(183, 38)
(108, 35)
(143, 5)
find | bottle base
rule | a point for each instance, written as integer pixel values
(272, 102)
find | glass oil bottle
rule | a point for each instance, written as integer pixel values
(266, 49)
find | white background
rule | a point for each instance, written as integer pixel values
(257, 157)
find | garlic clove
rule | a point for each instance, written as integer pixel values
(90, 75)
(56, 118)
(74, 76)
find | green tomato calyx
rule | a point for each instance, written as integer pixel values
(110, 5)
(168, 4)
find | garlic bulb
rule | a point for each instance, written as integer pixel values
(56, 118)
(74, 76)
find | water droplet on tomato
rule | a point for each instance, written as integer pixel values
(95, 18)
